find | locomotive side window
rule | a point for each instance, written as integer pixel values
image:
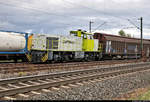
(84, 36)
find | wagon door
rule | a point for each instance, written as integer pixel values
(108, 47)
(147, 52)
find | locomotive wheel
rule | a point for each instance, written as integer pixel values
(15, 60)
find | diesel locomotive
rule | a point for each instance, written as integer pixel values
(79, 45)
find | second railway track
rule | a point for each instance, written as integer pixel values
(19, 86)
(25, 67)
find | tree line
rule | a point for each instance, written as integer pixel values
(123, 34)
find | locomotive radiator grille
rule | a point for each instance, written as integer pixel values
(52, 43)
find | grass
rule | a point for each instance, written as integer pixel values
(145, 96)
(3, 61)
(6, 61)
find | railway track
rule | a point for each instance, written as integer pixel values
(14, 87)
(26, 67)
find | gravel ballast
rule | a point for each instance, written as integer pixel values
(102, 90)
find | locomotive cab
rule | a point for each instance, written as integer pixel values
(89, 43)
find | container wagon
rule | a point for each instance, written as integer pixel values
(13, 45)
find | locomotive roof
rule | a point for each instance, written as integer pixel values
(123, 39)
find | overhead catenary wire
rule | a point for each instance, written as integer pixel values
(61, 15)
(133, 24)
(29, 8)
(100, 26)
(96, 10)
(39, 10)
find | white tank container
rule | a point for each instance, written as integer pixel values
(11, 41)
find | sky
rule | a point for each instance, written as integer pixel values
(62, 16)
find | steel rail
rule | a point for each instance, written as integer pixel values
(67, 73)
(70, 80)
(31, 67)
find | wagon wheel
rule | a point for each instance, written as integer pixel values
(15, 60)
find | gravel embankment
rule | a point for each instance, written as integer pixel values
(103, 90)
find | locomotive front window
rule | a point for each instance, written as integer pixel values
(89, 37)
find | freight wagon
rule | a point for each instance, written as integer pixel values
(13, 45)
(122, 47)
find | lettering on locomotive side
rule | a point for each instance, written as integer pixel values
(68, 41)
